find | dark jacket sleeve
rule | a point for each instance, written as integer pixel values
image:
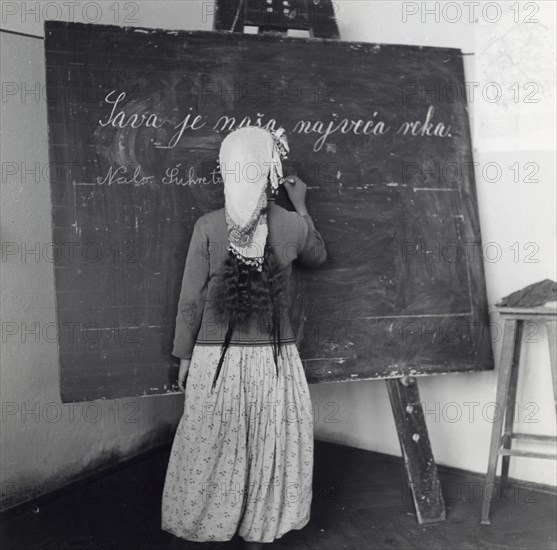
(311, 250)
(193, 294)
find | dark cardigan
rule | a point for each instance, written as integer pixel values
(292, 237)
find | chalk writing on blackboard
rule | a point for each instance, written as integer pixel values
(123, 175)
(373, 126)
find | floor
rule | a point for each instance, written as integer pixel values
(360, 502)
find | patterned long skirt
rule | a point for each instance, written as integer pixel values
(242, 457)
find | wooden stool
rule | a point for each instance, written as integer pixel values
(502, 434)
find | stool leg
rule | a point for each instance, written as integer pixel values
(510, 406)
(507, 354)
(551, 327)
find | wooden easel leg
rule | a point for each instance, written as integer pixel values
(510, 332)
(510, 405)
(416, 449)
(551, 327)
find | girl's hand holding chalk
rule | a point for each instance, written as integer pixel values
(296, 190)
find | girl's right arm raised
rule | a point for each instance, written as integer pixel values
(311, 247)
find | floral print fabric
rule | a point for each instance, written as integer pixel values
(242, 456)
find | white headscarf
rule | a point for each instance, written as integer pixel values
(250, 157)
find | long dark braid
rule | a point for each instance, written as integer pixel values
(245, 296)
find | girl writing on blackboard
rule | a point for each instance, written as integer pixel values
(242, 457)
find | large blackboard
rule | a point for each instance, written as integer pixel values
(379, 132)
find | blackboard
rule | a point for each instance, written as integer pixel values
(380, 133)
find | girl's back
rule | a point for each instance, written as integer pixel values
(291, 236)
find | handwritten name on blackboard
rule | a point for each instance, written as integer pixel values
(123, 175)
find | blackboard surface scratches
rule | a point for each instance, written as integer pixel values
(380, 133)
